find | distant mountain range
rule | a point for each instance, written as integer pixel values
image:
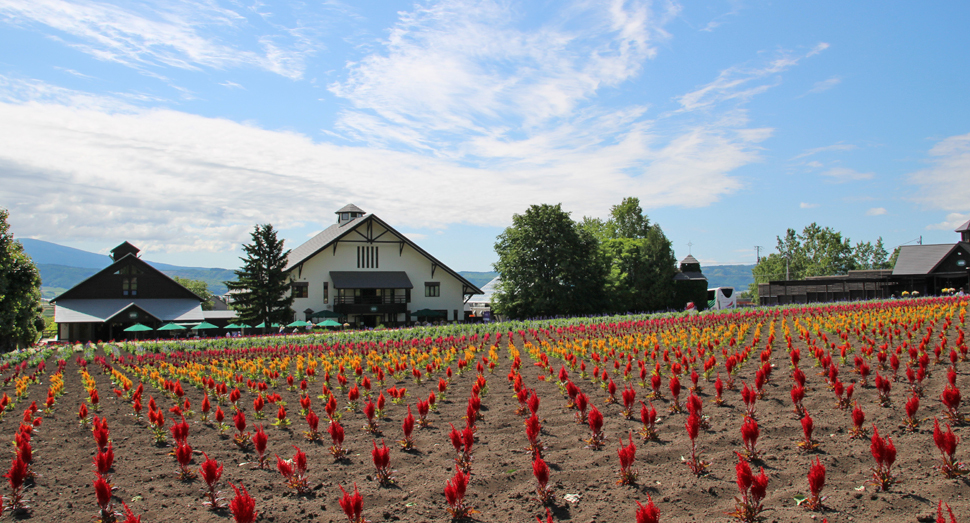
(64, 267)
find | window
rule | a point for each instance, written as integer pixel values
(326, 292)
(301, 289)
(432, 289)
(367, 257)
(129, 286)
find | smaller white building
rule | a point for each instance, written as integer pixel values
(363, 272)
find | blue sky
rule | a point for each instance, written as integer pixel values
(178, 125)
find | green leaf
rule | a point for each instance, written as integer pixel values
(799, 499)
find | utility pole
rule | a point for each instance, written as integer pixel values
(757, 249)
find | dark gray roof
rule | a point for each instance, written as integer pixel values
(920, 259)
(318, 242)
(350, 208)
(690, 275)
(97, 311)
(690, 259)
(370, 280)
(963, 228)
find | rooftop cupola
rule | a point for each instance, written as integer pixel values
(348, 213)
(964, 231)
(123, 250)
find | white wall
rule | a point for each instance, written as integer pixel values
(316, 270)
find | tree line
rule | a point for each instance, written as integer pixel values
(819, 251)
(551, 265)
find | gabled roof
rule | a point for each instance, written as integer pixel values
(921, 259)
(336, 232)
(322, 240)
(128, 258)
(88, 311)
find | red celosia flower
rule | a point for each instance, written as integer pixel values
(816, 481)
(648, 513)
(243, 506)
(353, 506)
(259, 441)
(541, 472)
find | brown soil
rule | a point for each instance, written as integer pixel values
(502, 486)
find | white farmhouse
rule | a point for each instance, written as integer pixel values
(367, 274)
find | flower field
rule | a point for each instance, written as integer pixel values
(782, 414)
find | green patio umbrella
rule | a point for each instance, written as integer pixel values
(138, 327)
(245, 326)
(171, 327)
(299, 323)
(263, 325)
(205, 326)
(232, 326)
(329, 323)
(325, 314)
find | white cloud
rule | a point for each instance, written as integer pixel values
(741, 83)
(876, 211)
(825, 85)
(834, 147)
(415, 236)
(231, 85)
(175, 33)
(172, 181)
(845, 174)
(806, 205)
(944, 185)
(952, 221)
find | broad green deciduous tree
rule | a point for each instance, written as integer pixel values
(262, 290)
(549, 266)
(20, 310)
(199, 288)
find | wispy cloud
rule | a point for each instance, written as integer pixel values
(467, 67)
(806, 205)
(943, 185)
(877, 211)
(231, 85)
(740, 83)
(828, 148)
(952, 221)
(825, 85)
(176, 33)
(845, 174)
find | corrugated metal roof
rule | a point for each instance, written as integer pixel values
(98, 311)
(370, 280)
(488, 290)
(318, 242)
(920, 259)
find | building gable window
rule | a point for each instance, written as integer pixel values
(367, 257)
(129, 286)
(301, 289)
(432, 289)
